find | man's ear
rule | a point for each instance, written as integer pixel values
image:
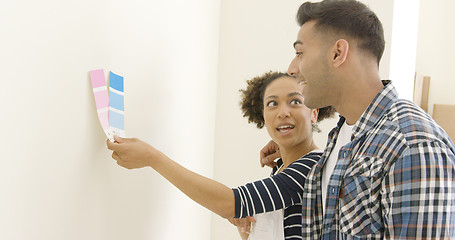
(340, 52)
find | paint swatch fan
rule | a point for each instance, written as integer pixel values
(110, 107)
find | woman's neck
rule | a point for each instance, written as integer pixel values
(290, 155)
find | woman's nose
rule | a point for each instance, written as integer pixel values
(283, 112)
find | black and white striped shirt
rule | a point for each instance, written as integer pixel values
(264, 195)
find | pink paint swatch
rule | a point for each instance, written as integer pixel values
(104, 120)
(97, 78)
(101, 99)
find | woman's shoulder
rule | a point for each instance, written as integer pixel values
(307, 160)
(313, 155)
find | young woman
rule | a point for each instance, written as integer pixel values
(278, 98)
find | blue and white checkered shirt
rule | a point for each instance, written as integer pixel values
(394, 180)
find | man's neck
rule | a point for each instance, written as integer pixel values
(358, 96)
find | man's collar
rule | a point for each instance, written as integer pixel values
(377, 108)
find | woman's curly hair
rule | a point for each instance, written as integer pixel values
(252, 98)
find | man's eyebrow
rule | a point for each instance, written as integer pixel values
(297, 42)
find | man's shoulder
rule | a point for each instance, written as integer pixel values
(404, 130)
(413, 123)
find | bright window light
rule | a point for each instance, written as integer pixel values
(403, 46)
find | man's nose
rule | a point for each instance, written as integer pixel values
(293, 68)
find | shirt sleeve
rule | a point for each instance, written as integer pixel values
(276, 192)
(419, 194)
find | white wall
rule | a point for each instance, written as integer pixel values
(257, 36)
(435, 51)
(57, 179)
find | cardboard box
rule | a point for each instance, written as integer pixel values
(421, 91)
(444, 115)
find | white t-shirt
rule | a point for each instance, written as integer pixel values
(268, 226)
(344, 137)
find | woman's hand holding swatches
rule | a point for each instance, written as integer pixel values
(133, 153)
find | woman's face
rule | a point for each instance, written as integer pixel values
(287, 119)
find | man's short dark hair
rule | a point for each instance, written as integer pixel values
(346, 17)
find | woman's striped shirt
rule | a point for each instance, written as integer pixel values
(266, 195)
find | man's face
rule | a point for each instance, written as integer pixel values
(311, 66)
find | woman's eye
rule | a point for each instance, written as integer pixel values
(271, 104)
(298, 54)
(295, 102)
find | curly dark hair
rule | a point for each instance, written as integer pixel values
(252, 99)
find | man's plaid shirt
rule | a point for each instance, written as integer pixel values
(394, 180)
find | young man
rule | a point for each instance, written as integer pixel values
(388, 171)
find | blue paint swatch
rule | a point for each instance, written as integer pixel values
(116, 81)
(116, 120)
(116, 101)
(116, 104)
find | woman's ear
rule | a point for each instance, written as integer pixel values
(314, 115)
(340, 52)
